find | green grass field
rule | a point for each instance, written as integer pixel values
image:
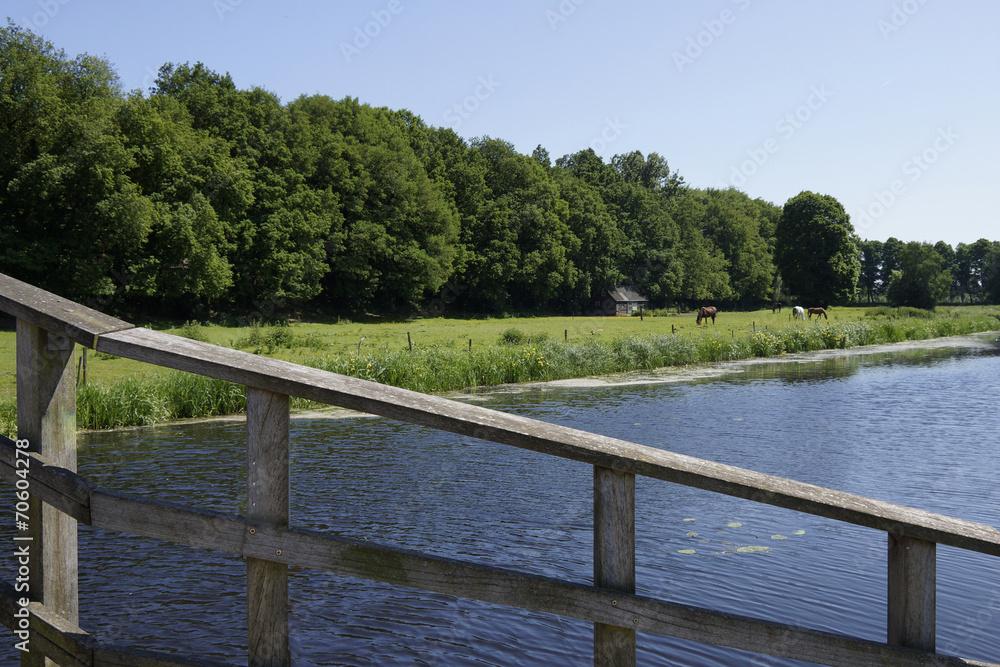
(312, 340)
(122, 392)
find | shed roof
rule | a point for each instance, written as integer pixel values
(622, 293)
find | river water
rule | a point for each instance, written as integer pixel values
(918, 427)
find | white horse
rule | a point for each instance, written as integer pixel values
(798, 312)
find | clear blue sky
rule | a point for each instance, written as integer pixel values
(891, 106)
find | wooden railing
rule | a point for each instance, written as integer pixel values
(43, 460)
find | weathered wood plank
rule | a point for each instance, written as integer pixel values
(46, 417)
(205, 529)
(475, 421)
(312, 549)
(614, 559)
(912, 592)
(267, 502)
(53, 313)
(55, 485)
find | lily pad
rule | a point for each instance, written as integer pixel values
(692, 534)
(734, 524)
(799, 532)
(686, 551)
(689, 519)
(753, 549)
(779, 537)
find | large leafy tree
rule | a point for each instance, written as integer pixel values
(651, 172)
(601, 241)
(922, 280)
(950, 263)
(636, 198)
(971, 261)
(527, 209)
(892, 249)
(733, 222)
(705, 268)
(277, 230)
(817, 253)
(398, 242)
(70, 217)
(871, 263)
(992, 283)
(194, 187)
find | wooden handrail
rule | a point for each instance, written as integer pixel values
(53, 313)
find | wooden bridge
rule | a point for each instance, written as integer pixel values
(42, 462)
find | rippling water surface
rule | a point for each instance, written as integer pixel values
(919, 428)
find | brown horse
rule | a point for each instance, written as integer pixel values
(707, 312)
(817, 312)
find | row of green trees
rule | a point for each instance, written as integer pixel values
(200, 197)
(968, 273)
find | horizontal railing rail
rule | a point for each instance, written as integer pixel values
(611, 604)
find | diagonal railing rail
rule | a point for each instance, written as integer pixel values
(40, 460)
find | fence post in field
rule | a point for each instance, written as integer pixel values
(267, 502)
(46, 418)
(912, 582)
(614, 559)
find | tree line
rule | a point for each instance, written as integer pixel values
(197, 197)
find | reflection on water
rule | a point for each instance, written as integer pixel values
(918, 428)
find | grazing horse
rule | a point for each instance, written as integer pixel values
(707, 312)
(776, 306)
(799, 313)
(817, 312)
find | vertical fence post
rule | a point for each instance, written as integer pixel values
(614, 559)
(912, 582)
(46, 418)
(267, 501)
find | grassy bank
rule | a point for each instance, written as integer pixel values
(510, 351)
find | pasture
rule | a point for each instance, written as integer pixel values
(451, 354)
(301, 341)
